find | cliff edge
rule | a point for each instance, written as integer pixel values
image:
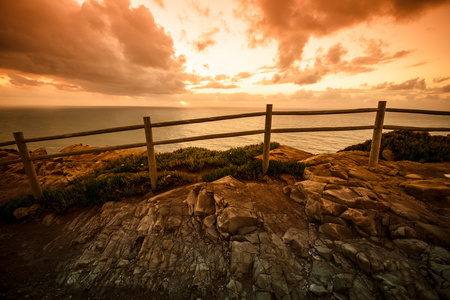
(343, 231)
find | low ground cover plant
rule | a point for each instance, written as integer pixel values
(411, 145)
(128, 176)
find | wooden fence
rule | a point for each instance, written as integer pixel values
(148, 126)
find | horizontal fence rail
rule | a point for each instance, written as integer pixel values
(324, 112)
(319, 129)
(418, 111)
(148, 126)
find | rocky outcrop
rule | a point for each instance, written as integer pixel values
(57, 172)
(344, 231)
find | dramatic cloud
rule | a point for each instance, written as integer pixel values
(221, 77)
(216, 85)
(333, 62)
(201, 10)
(242, 75)
(106, 47)
(412, 84)
(18, 80)
(440, 79)
(205, 40)
(293, 22)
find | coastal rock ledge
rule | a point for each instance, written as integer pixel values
(343, 231)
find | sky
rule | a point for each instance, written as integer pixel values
(196, 53)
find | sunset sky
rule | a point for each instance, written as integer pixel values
(292, 53)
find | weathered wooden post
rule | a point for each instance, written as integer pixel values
(267, 132)
(150, 152)
(29, 169)
(377, 132)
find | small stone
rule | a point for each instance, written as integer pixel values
(209, 221)
(298, 196)
(25, 212)
(318, 290)
(403, 232)
(414, 176)
(324, 252)
(340, 173)
(393, 172)
(212, 233)
(363, 262)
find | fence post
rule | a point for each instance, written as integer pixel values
(150, 152)
(377, 132)
(29, 169)
(267, 131)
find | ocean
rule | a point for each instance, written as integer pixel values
(45, 121)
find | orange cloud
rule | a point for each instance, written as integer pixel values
(242, 75)
(195, 5)
(440, 79)
(107, 47)
(293, 22)
(206, 40)
(216, 85)
(412, 84)
(333, 62)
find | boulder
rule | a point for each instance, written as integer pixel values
(428, 190)
(313, 209)
(233, 218)
(343, 196)
(438, 235)
(242, 254)
(310, 187)
(209, 221)
(412, 246)
(298, 195)
(297, 239)
(205, 204)
(362, 174)
(339, 172)
(368, 221)
(336, 231)
(191, 200)
(39, 152)
(332, 208)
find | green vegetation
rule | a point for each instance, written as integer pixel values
(413, 146)
(128, 176)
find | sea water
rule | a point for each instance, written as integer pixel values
(39, 122)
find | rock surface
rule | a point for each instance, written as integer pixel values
(57, 172)
(344, 231)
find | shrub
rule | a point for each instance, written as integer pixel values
(413, 146)
(252, 170)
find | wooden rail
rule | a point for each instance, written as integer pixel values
(148, 126)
